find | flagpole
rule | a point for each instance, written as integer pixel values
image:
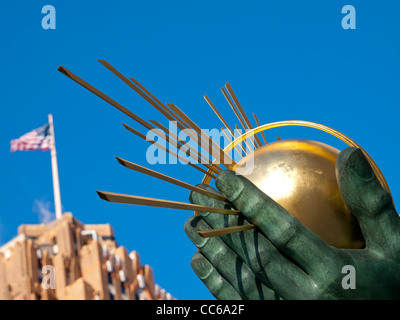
(54, 167)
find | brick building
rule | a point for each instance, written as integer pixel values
(85, 263)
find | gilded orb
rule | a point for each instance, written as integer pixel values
(300, 175)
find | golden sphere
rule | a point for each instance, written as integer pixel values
(300, 176)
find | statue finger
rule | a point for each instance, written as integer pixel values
(219, 287)
(285, 232)
(227, 262)
(266, 262)
(370, 203)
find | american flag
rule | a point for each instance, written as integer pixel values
(38, 139)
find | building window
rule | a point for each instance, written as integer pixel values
(40, 264)
(75, 242)
(7, 254)
(54, 246)
(67, 276)
(89, 235)
(111, 291)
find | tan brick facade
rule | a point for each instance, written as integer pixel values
(86, 260)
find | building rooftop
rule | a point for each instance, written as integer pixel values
(66, 259)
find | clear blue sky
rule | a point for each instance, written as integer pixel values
(284, 59)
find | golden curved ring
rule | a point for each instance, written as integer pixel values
(300, 123)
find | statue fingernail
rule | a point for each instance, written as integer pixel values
(359, 164)
(197, 240)
(201, 266)
(191, 227)
(229, 184)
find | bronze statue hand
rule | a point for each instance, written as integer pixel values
(282, 259)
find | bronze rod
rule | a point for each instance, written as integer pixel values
(210, 144)
(258, 124)
(107, 99)
(175, 137)
(218, 114)
(166, 108)
(241, 110)
(117, 105)
(200, 158)
(159, 108)
(201, 132)
(233, 107)
(158, 175)
(103, 96)
(245, 140)
(222, 231)
(160, 203)
(167, 150)
(147, 95)
(199, 140)
(236, 147)
(222, 119)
